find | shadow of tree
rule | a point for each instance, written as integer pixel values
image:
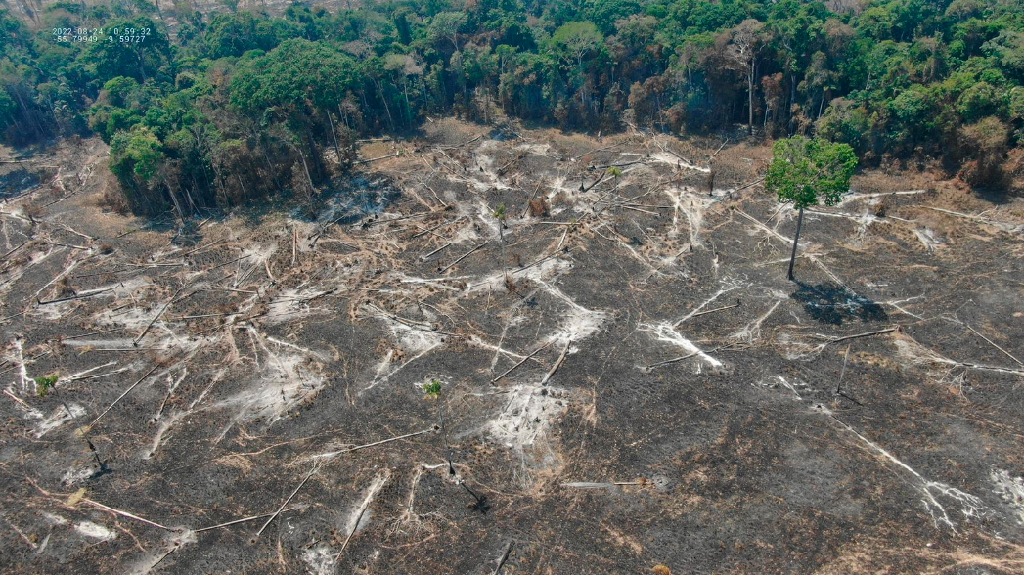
(832, 304)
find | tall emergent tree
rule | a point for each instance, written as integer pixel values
(574, 40)
(807, 172)
(747, 40)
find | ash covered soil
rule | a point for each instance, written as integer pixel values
(245, 394)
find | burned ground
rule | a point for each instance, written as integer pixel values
(645, 388)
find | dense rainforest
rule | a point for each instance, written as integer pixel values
(208, 110)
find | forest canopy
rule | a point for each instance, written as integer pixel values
(210, 110)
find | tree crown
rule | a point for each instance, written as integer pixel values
(810, 171)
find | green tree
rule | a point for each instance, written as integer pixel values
(293, 90)
(978, 101)
(297, 75)
(235, 34)
(807, 172)
(1008, 49)
(139, 59)
(119, 90)
(136, 152)
(136, 160)
(1016, 110)
(7, 111)
(576, 39)
(446, 25)
(844, 121)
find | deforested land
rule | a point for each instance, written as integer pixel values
(272, 309)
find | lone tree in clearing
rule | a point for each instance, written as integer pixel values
(432, 390)
(807, 172)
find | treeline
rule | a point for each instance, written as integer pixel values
(240, 105)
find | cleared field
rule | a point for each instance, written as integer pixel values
(629, 381)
